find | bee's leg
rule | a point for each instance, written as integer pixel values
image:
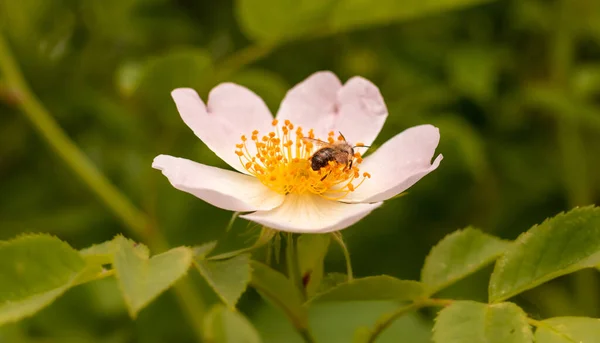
(326, 175)
(351, 163)
(348, 166)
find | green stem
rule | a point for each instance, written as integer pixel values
(570, 144)
(232, 220)
(306, 336)
(29, 104)
(571, 147)
(387, 319)
(340, 240)
(265, 237)
(293, 267)
(135, 221)
(192, 304)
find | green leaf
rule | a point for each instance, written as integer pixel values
(354, 14)
(331, 280)
(333, 322)
(201, 251)
(275, 20)
(223, 325)
(469, 321)
(458, 255)
(95, 257)
(228, 278)
(372, 288)
(35, 270)
(560, 245)
(311, 256)
(99, 253)
(568, 330)
(142, 278)
(92, 271)
(280, 291)
(103, 253)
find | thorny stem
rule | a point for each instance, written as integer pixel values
(387, 319)
(135, 221)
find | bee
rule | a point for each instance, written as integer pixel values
(340, 152)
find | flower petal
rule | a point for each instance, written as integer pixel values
(398, 164)
(311, 104)
(362, 111)
(219, 187)
(232, 111)
(320, 102)
(311, 214)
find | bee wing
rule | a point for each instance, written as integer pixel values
(315, 141)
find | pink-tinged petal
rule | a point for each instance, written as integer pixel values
(398, 164)
(320, 102)
(232, 111)
(362, 111)
(311, 214)
(219, 187)
(311, 104)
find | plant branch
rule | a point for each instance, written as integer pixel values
(39, 116)
(306, 336)
(387, 319)
(265, 237)
(136, 222)
(570, 144)
(293, 266)
(340, 240)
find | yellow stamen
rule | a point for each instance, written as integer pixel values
(282, 160)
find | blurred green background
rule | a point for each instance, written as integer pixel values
(514, 87)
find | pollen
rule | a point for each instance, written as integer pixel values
(282, 160)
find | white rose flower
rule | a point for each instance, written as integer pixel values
(275, 158)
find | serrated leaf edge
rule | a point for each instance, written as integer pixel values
(522, 314)
(68, 285)
(133, 312)
(470, 271)
(212, 285)
(522, 239)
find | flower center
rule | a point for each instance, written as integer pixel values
(288, 161)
